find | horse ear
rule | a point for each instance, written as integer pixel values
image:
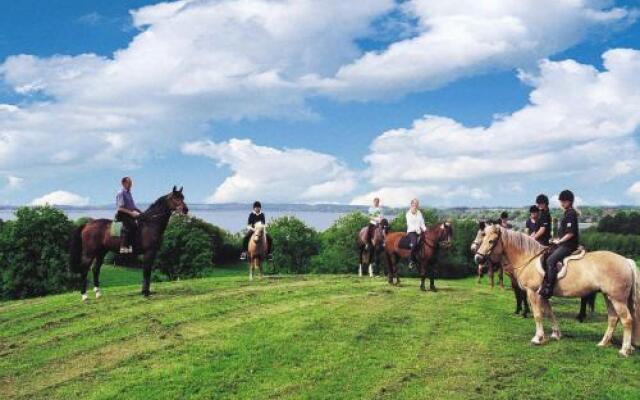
(174, 189)
(181, 187)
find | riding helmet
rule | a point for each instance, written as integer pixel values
(504, 215)
(542, 199)
(534, 209)
(257, 204)
(566, 195)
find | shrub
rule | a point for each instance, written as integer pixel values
(294, 243)
(457, 261)
(625, 245)
(34, 253)
(186, 249)
(338, 246)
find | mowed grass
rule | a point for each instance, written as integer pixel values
(315, 337)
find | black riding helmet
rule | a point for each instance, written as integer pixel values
(566, 195)
(542, 199)
(504, 215)
(534, 209)
(257, 204)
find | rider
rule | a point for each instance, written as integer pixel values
(532, 222)
(543, 231)
(415, 227)
(255, 216)
(127, 213)
(504, 220)
(375, 217)
(567, 242)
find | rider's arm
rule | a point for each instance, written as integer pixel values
(538, 234)
(132, 213)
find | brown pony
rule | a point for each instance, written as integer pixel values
(257, 249)
(91, 241)
(613, 275)
(370, 252)
(429, 243)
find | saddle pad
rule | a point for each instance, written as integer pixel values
(405, 243)
(576, 255)
(116, 228)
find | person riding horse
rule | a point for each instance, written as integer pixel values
(567, 243)
(542, 232)
(415, 227)
(255, 216)
(375, 217)
(127, 213)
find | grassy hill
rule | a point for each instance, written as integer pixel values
(317, 337)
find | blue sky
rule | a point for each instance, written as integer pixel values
(317, 101)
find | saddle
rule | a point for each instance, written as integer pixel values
(116, 229)
(578, 254)
(405, 242)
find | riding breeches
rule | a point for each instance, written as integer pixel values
(554, 258)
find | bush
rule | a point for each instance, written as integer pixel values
(186, 249)
(294, 243)
(622, 223)
(34, 253)
(625, 245)
(338, 247)
(457, 261)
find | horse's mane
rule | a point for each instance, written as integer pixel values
(156, 205)
(520, 241)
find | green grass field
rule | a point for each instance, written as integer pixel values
(316, 337)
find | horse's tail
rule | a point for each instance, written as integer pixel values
(634, 302)
(75, 249)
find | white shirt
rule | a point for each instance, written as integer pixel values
(415, 222)
(375, 215)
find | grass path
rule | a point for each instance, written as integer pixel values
(316, 337)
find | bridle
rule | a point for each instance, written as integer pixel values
(499, 240)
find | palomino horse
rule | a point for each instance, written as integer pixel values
(429, 244)
(91, 241)
(615, 276)
(492, 264)
(370, 252)
(521, 296)
(522, 306)
(257, 249)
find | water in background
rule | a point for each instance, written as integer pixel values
(231, 220)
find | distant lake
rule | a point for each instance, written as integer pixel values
(231, 220)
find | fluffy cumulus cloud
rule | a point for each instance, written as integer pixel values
(61, 198)
(459, 38)
(287, 175)
(580, 127)
(634, 191)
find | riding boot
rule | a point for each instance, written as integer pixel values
(124, 242)
(549, 282)
(412, 258)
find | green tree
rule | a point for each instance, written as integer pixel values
(338, 246)
(34, 253)
(294, 243)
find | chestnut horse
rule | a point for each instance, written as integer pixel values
(257, 249)
(370, 252)
(91, 241)
(613, 275)
(429, 243)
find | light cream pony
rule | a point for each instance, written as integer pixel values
(615, 276)
(257, 249)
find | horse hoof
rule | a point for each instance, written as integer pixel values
(97, 292)
(537, 341)
(580, 318)
(423, 288)
(556, 336)
(146, 293)
(85, 297)
(433, 289)
(625, 352)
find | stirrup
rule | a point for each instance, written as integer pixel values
(243, 256)
(123, 250)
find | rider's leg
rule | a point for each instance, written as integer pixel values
(552, 270)
(413, 237)
(269, 247)
(245, 245)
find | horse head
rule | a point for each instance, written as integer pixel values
(258, 232)
(175, 201)
(491, 243)
(446, 234)
(381, 231)
(479, 236)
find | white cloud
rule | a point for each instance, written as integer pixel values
(61, 198)
(461, 38)
(429, 195)
(194, 62)
(634, 191)
(579, 126)
(14, 182)
(286, 175)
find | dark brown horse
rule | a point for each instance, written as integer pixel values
(429, 243)
(92, 240)
(370, 251)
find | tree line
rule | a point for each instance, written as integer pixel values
(34, 248)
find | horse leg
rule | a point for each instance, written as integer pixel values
(536, 305)
(250, 268)
(627, 323)
(501, 277)
(432, 278)
(583, 309)
(423, 276)
(612, 322)
(85, 265)
(361, 260)
(491, 279)
(372, 256)
(147, 260)
(96, 274)
(519, 295)
(479, 273)
(555, 327)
